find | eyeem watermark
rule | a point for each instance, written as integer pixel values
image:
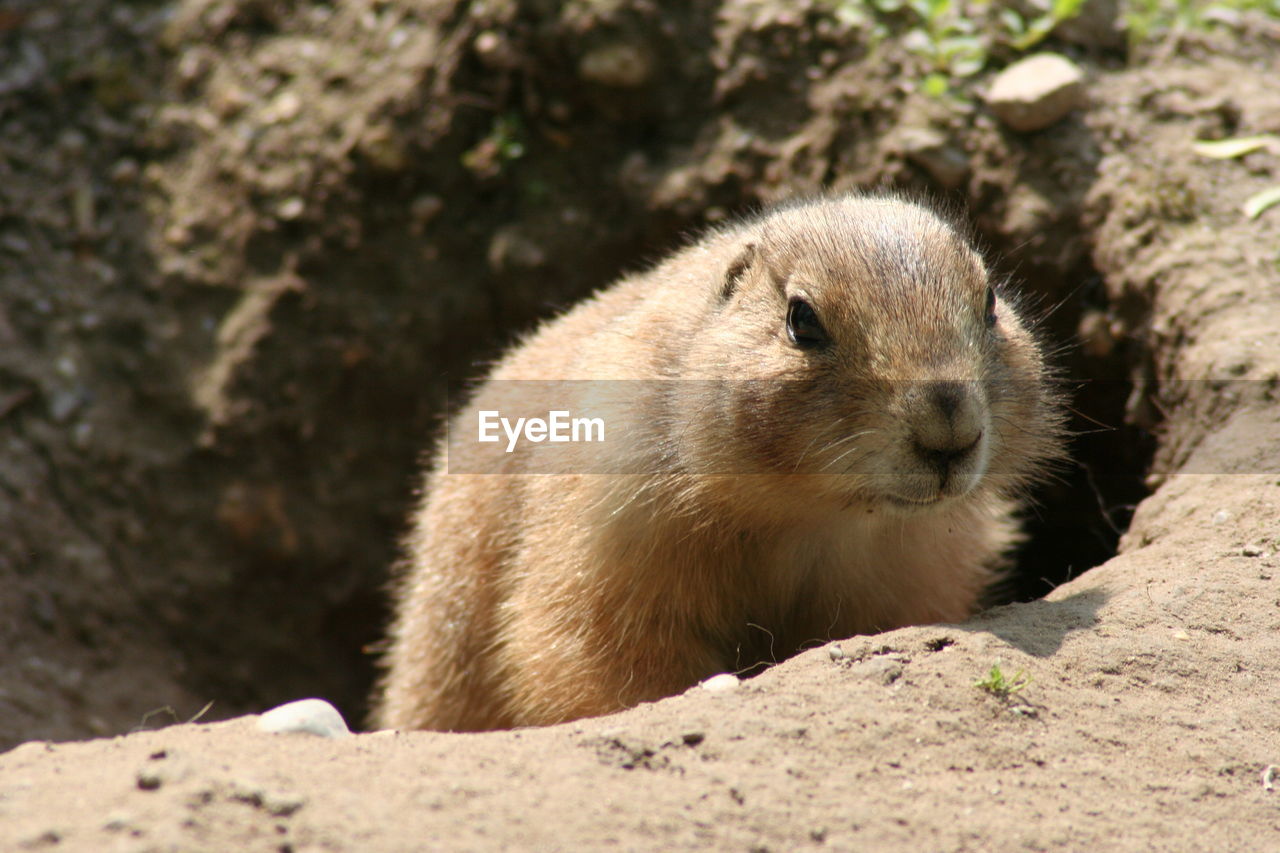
(558, 426)
(670, 426)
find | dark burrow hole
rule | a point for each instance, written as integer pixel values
(1075, 519)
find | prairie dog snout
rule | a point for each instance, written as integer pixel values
(831, 412)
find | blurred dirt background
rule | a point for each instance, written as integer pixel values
(246, 244)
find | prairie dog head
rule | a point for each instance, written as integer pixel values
(861, 344)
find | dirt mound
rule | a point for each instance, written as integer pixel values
(246, 243)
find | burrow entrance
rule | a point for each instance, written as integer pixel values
(1073, 524)
(1076, 518)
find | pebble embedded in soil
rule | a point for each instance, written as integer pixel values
(425, 208)
(619, 66)
(1035, 92)
(495, 51)
(725, 682)
(511, 249)
(306, 716)
(882, 669)
(291, 208)
(63, 404)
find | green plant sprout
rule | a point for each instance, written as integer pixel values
(503, 144)
(946, 38)
(997, 684)
(1148, 20)
(1025, 33)
(954, 38)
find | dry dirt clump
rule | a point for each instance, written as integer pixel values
(241, 242)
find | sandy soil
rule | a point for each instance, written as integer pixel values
(1147, 724)
(244, 243)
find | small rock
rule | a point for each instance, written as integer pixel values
(63, 404)
(836, 652)
(1035, 92)
(425, 208)
(1253, 551)
(1221, 517)
(495, 51)
(125, 171)
(619, 65)
(150, 779)
(66, 366)
(725, 682)
(1095, 334)
(884, 669)
(291, 208)
(308, 716)
(511, 250)
(274, 803)
(284, 108)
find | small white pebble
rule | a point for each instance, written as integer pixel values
(291, 208)
(1253, 551)
(722, 683)
(836, 652)
(1221, 516)
(309, 716)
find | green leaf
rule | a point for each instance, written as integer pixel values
(1229, 149)
(935, 85)
(1012, 21)
(1255, 204)
(937, 8)
(1065, 9)
(964, 55)
(1036, 33)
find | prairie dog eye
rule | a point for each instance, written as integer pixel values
(989, 315)
(803, 327)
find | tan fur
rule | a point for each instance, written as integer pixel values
(748, 518)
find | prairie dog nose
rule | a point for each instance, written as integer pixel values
(947, 422)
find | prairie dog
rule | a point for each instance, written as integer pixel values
(836, 412)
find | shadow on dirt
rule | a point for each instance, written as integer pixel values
(1039, 628)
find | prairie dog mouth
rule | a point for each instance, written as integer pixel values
(912, 503)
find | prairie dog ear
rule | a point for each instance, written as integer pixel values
(737, 269)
